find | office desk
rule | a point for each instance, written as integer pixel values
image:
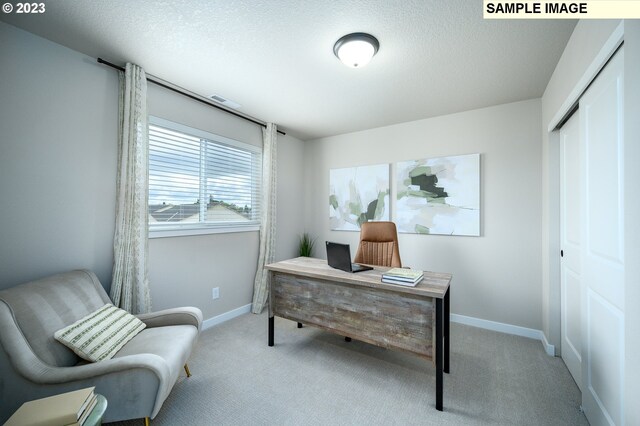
(412, 319)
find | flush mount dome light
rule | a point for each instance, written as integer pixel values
(356, 50)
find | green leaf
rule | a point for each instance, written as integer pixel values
(306, 243)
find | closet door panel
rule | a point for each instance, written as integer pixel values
(602, 237)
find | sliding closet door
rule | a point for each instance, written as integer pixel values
(570, 282)
(602, 240)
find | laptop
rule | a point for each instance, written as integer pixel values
(339, 257)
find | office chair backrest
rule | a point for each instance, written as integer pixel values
(379, 245)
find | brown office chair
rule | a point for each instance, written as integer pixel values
(379, 245)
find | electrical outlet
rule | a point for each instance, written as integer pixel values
(215, 293)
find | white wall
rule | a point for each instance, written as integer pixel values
(496, 276)
(58, 121)
(587, 40)
(58, 153)
(632, 224)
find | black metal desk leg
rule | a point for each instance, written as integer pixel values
(447, 341)
(439, 329)
(271, 319)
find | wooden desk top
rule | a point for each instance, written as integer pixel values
(434, 284)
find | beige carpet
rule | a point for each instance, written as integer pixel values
(311, 377)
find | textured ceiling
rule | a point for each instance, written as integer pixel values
(275, 57)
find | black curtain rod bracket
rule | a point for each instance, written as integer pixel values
(184, 92)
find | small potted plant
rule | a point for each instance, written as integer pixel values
(306, 244)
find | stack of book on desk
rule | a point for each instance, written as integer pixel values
(402, 276)
(70, 408)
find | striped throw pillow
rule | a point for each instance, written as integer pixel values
(101, 334)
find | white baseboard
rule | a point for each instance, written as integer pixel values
(506, 328)
(219, 319)
(549, 348)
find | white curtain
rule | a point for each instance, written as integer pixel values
(130, 284)
(268, 217)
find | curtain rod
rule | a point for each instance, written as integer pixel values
(184, 92)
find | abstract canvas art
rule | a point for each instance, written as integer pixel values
(358, 195)
(439, 195)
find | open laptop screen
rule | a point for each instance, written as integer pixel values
(339, 257)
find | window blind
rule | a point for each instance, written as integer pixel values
(198, 179)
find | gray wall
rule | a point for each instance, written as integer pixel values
(58, 121)
(290, 207)
(184, 270)
(496, 276)
(58, 149)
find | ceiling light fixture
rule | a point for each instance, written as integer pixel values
(356, 50)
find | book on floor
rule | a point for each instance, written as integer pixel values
(63, 409)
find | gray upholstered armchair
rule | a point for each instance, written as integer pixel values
(136, 381)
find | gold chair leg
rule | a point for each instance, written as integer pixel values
(147, 421)
(186, 370)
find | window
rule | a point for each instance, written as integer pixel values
(200, 182)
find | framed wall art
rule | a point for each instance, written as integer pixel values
(357, 195)
(439, 195)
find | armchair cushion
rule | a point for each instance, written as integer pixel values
(100, 334)
(40, 308)
(136, 381)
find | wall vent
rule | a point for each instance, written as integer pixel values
(224, 101)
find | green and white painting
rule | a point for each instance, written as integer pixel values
(439, 195)
(358, 195)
